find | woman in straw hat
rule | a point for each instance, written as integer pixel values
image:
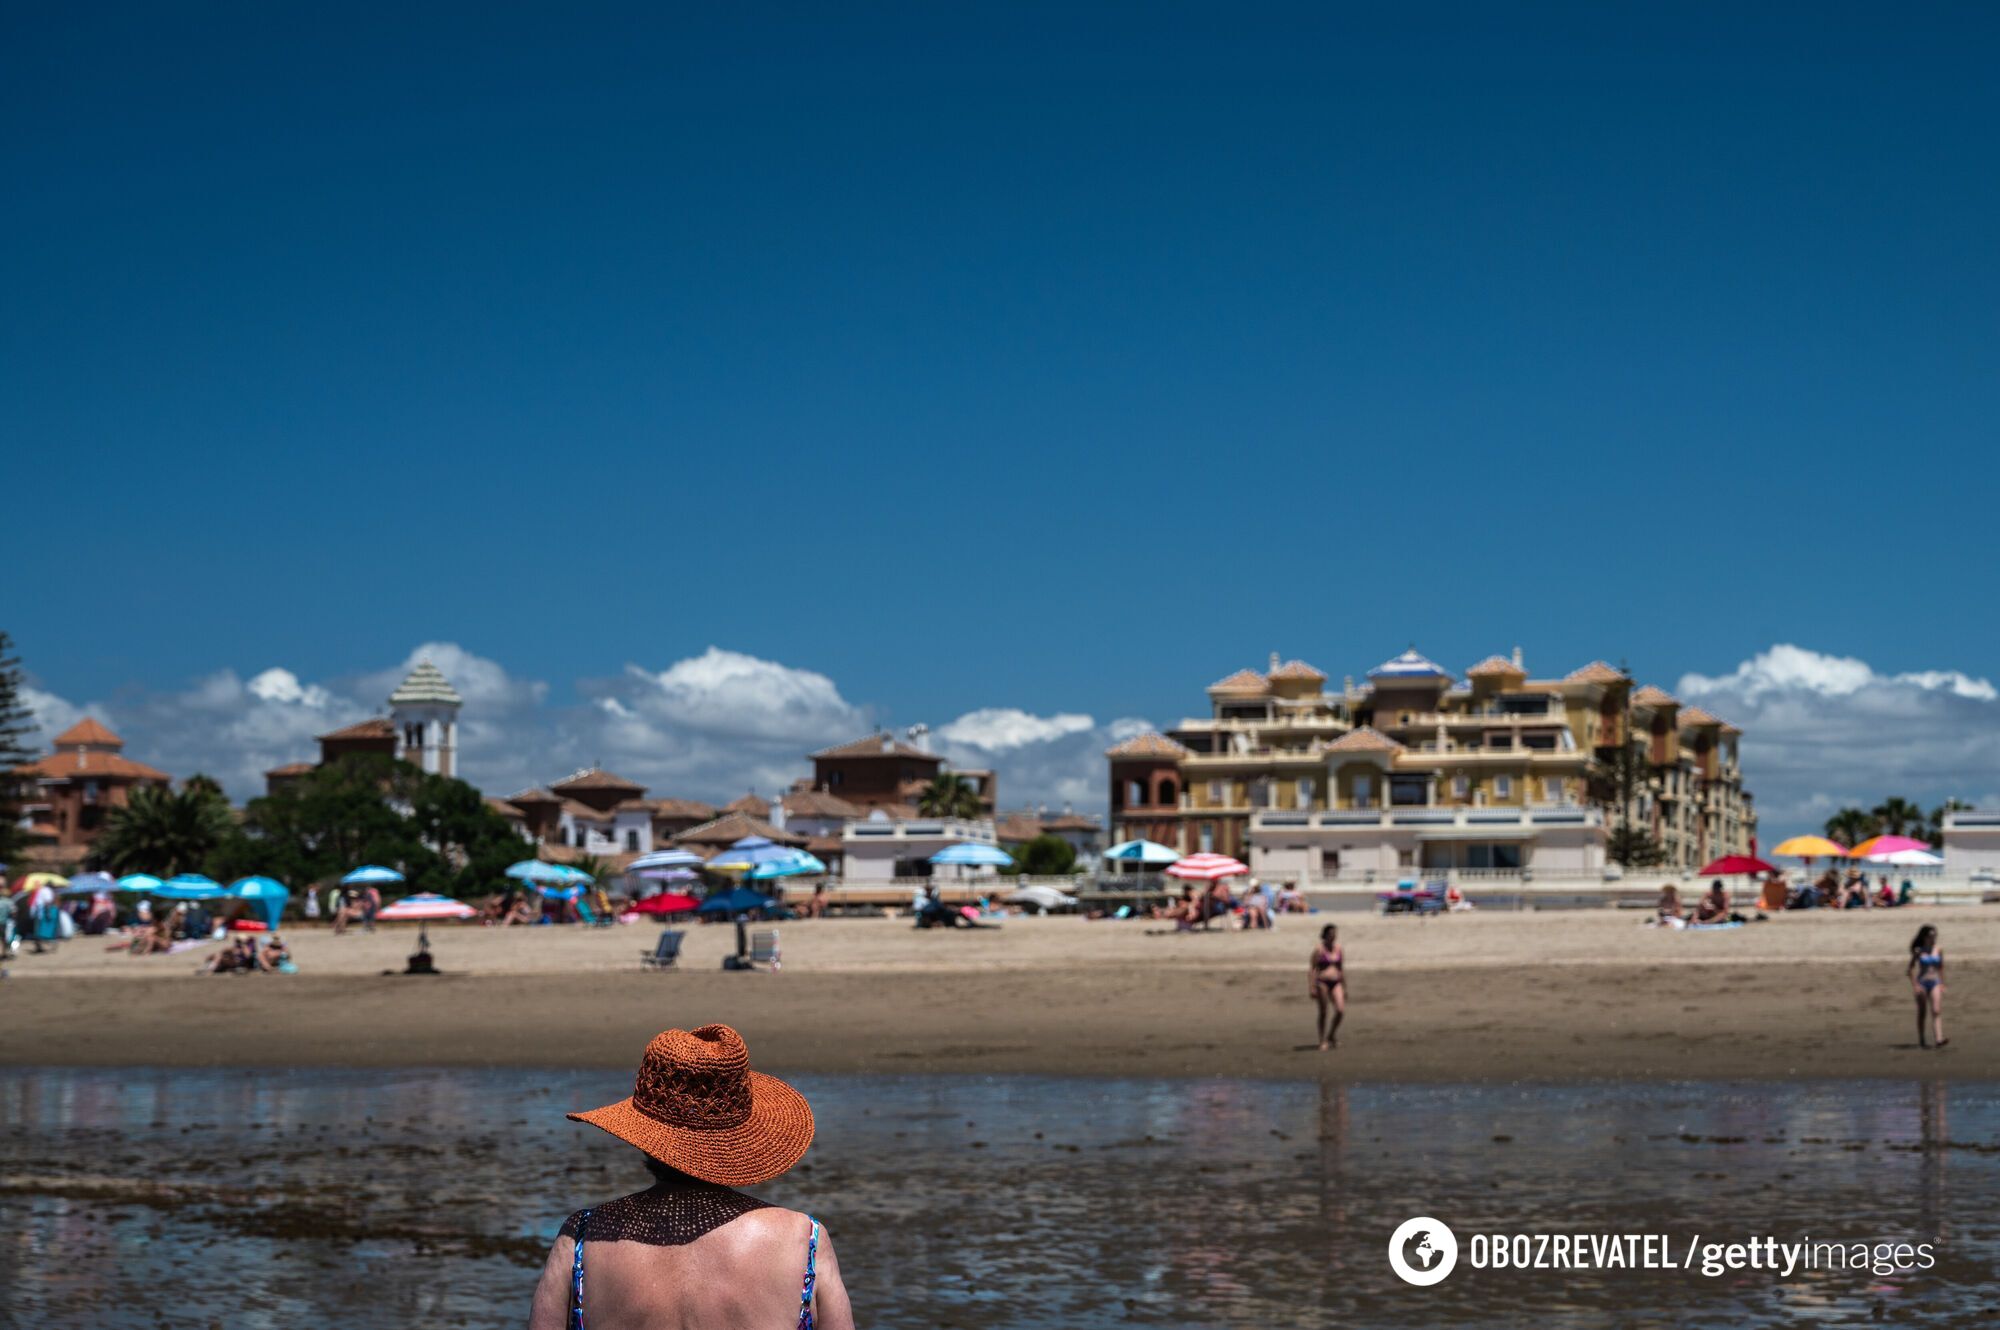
(691, 1250)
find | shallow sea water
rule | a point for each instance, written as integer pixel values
(342, 1198)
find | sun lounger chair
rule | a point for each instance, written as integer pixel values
(764, 948)
(665, 953)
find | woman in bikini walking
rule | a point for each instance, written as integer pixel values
(1329, 985)
(1926, 972)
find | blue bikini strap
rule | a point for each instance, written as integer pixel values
(812, 1276)
(576, 1275)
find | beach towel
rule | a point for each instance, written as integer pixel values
(1704, 928)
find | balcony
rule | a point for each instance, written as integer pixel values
(1531, 817)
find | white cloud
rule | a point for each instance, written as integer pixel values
(997, 729)
(281, 685)
(54, 714)
(728, 693)
(1822, 732)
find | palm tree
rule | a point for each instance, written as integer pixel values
(1851, 826)
(1897, 816)
(949, 795)
(164, 831)
(1934, 826)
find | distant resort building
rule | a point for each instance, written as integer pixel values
(1971, 843)
(69, 795)
(1416, 769)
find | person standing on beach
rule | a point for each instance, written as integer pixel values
(692, 1250)
(1329, 985)
(1926, 974)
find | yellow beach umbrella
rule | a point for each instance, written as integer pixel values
(34, 880)
(1812, 847)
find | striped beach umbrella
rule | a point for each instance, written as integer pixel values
(1207, 867)
(426, 905)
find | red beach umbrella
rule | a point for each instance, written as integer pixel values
(1207, 867)
(667, 902)
(1731, 865)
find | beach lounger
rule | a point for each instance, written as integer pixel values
(764, 948)
(665, 952)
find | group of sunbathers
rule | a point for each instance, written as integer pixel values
(244, 956)
(1257, 908)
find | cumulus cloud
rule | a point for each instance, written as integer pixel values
(1057, 760)
(55, 714)
(1822, 732)
(998, 729)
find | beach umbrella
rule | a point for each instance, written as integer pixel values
(1812, 847)
(266, 893)
(1142, 853)
(426, 905)
(736, 900)
(1207, 867)
(534, 870)
(747, 853)
(974, 854)
(89, 884)
(1875, 845)
(33, 881)
(1733, 865)
(554, 892)
(189, 887)
(666, 902)
(371, 875)
(1907, 859)
(665, 859)
(139, 882)
(795, 864)
(570, 877)
(667, 874)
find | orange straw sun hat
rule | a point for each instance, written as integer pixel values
(696, 1106)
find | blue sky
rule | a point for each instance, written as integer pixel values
(1001, 357)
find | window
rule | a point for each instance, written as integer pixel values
(1208, 838)
(1135, 793)
(1552, 790)
(1503, 787)
(835, 777)
(631, 841)
(1329, 863)
(1169, 795)
(1406, 858)
(1215, 792)
(1364, 791)
(1461, 786)
(1305, 791)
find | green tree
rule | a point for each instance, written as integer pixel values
(1047, 855)
(1934, 825)
(1851, 826)
(949, 795)
(1633, 847)
(165, 831)
(1897, 816)
(17, 746)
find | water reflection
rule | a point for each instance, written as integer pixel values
(359, 1198)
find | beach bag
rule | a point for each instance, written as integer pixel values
(65, 925)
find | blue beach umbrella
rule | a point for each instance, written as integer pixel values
(973, 854)
(571, 877)
(266, 893)
(371, 875)
(555, 893)
(189, 887)
(534, 870)
(89, 884)
(737, 900)
(1144, 853)
(139, 882)
(747, 853)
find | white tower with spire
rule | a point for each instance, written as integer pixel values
(424, 710)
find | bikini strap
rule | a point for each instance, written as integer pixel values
(812, 1276)
(576, 1275)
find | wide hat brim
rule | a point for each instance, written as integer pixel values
(763, 1145)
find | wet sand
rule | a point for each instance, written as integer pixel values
(1482, 997)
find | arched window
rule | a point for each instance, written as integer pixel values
(1169, 795)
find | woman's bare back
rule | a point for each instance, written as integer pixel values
(690, 1258)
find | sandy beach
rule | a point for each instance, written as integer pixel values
(1480, 997)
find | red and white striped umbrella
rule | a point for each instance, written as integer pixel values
(426, 905)
(1207, 867)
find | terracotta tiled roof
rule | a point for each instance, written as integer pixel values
(1727, 728)
(505, 809)
(1595, 672)
(1018, 827)
(1149, 744)
(583, 812)
(1696, 716)
(90, 766)
(89, 730)
(876, 745)
(1071, 822)
(376, 727)
(688, 808)
(750, 804)
(1298, 669)
(1243, 681)
(1650, 696)
(534, 794)
(293, 769)
(595, 778)
(1494, 667)
(818, 803)
(823, 847)
(733, 827)
(1367, 739)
